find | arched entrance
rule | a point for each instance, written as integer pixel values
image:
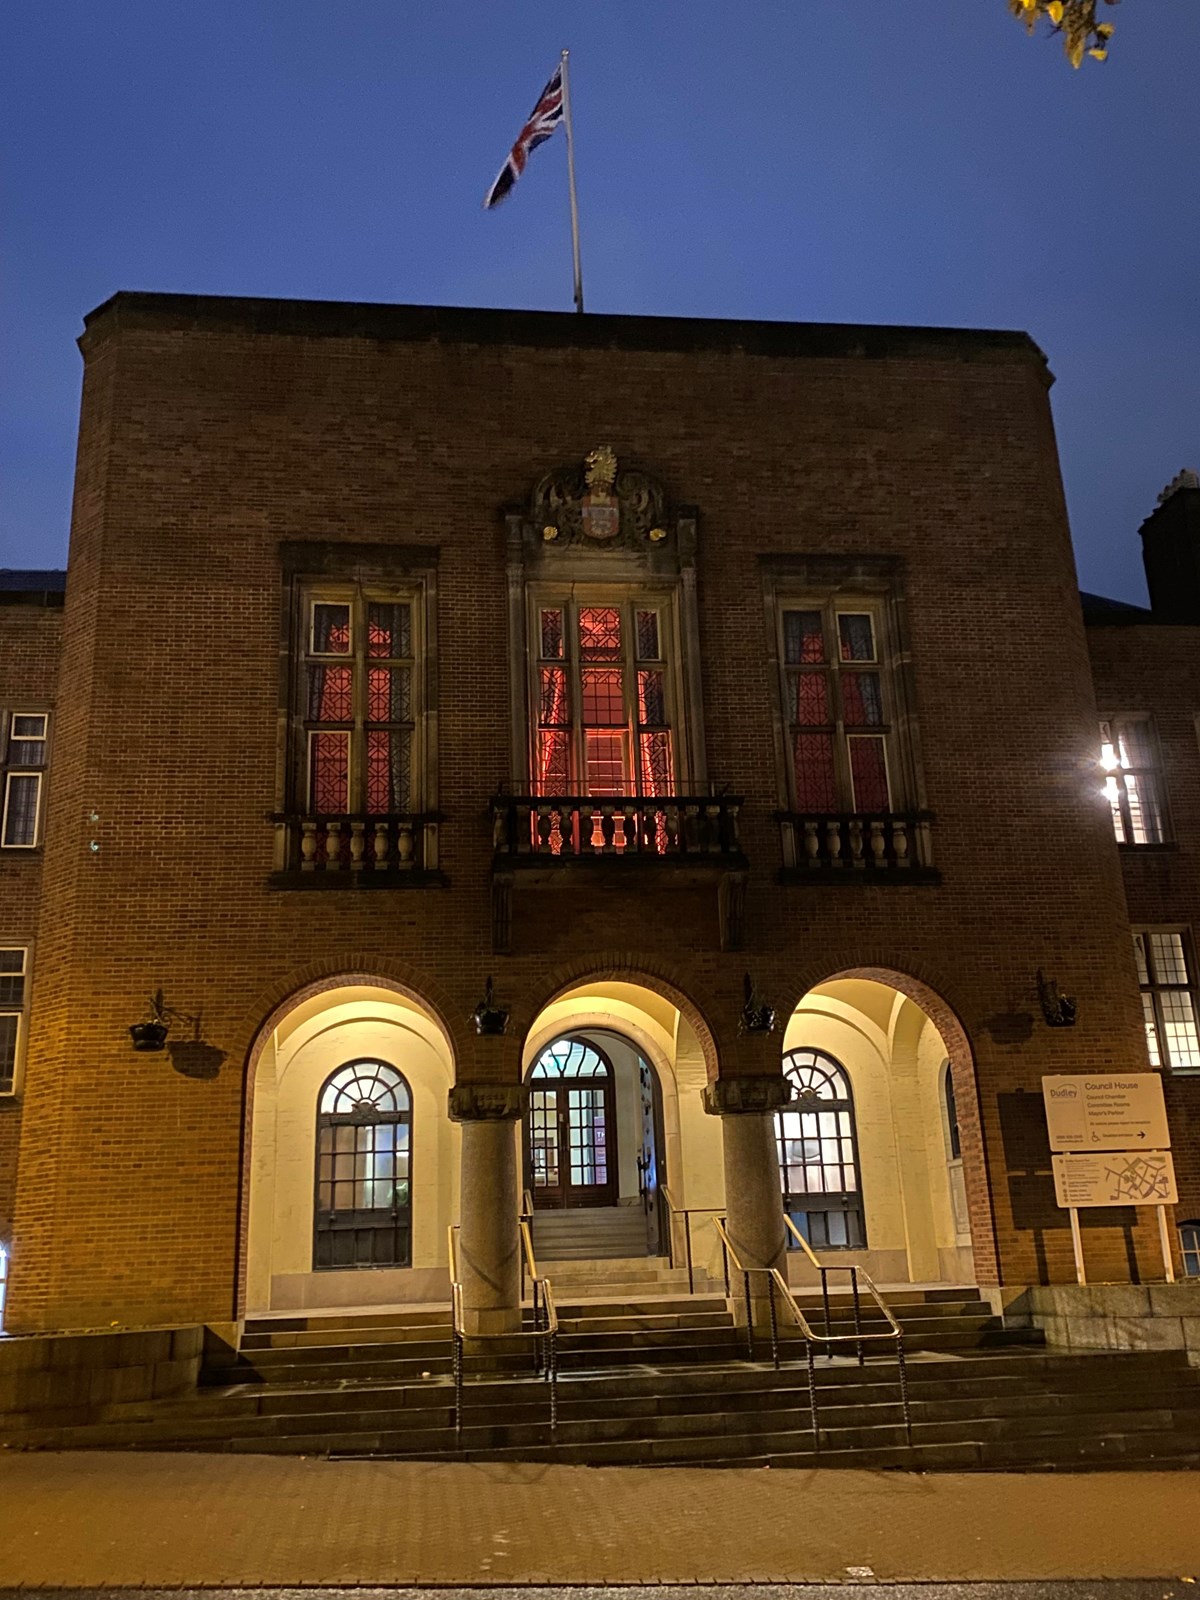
(571, 1127)
(352, 1162)
(876, 1162)
(638, 1065)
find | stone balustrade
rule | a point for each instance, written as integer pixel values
(894, 845)
(587, 827)
(353, 846)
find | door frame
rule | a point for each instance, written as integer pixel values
(612, 1187)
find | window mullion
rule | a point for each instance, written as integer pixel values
(358, 738)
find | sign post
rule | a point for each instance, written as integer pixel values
(1112, 1148)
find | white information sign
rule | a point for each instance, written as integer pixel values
(1118, 1111)
(1117, 1178)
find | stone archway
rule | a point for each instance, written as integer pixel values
(303, 1041)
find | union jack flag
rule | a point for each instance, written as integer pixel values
(543, 120)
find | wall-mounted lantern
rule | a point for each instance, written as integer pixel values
(1058, 1009)
(151, 1034)
(757, 1016)
(489, 1018)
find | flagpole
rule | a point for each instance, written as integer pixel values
(571, 180)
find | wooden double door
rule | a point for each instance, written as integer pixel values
(572, 1143)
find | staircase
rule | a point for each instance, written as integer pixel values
(595, 1233)
(664, 1380)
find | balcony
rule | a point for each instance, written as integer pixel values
(356, 852)
(857, 847)
(677, 841)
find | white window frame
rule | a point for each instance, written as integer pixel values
(1117, 776)
(1189, 1247)
(25, 772)
(358, 596)
(831, 607)
(1157, 1043)
(21, 1013)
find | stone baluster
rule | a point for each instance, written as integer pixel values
(924, 843)
(587, 841)
(712, 829)
(545, 823)
(629, 827)
(812, 844)
(500, 831)
(381, 846)
(358, 846)
(856, 842)
(607, 829)
(900, 841)
(333, 847)
(878, 845)
(733, 827)
(404, 844)
(308, 846)
(833, 841)
(671, 827)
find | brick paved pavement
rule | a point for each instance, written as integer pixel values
(97, 1518)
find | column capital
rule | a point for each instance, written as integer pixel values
(487, 1102)
(749, 1096)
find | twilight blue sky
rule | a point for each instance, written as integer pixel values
(773, 158)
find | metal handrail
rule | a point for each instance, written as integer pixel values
(857, 1274)
(687, 1213)
(777, 1283)
(544, 1332)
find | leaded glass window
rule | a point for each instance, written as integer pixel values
(836, 707)
(604, 695)
(1167, 982)
(359, 711)
(22, 765)
(818, 1153)
(1133, 786)
(13, 998)
(363, 1213)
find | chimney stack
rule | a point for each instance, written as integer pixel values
(1171, 551)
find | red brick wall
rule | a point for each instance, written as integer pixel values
(211, 432)
(30, 641)
(1155, 670)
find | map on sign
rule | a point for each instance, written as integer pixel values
(1116, 1178)
(1114, 1111)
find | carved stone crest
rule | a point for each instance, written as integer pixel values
(600, 503)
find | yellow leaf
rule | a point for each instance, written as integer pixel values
(1055, 11)
(1098, 55)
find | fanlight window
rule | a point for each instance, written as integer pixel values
(368, 1087)
(570, 1058)
(818, 1153)
(363, 1211)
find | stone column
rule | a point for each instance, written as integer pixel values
(489, 1244)
(753, 1194)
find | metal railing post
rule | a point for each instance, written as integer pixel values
(858, 1344)
(749, 1316)
(687, 1234)
(774, 1321)
(812, 1398)
(458, 1388)
(825, 1297)
(904, 1389)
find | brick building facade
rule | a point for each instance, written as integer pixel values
(658, 671)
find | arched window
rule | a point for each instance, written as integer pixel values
(571, 1144)
(953, 1138)
(1189, 1243)
(818, 1153)
(570, 1058)
(363, 1213)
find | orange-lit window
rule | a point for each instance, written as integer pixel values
(835, 705)
(358, 710)
(603, 692)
